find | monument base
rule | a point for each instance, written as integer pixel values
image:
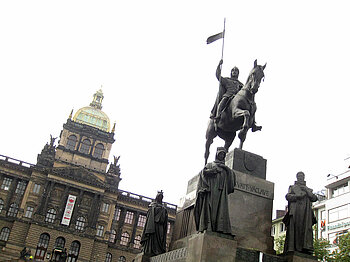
(202, 247)
(142, 258)
(299, 257)
(210, 246)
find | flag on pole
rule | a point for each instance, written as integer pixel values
(213, 38)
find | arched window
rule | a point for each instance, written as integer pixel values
(121, 259)
(42, 246)
(137, 242)
(73, 251)
(50, 215)
(60, 242)
(108, 257)
(71, 142)
(85, 146)
(80, 224)
(112, 236)
(98, 152)
(124, 239)
(4, 234)
(1, 204)
(13, 210)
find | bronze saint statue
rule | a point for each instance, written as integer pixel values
(228, 88)
(300, 218)
(238, 113)
(216, 181)
(153, 240)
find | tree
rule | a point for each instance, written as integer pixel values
(279, 244)
(343, 253)
(321, 249)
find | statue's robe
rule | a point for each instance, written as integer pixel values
(211, 212)
(153, 240)
(299, 220)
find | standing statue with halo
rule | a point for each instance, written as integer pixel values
(235, 107)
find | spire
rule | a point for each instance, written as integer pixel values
(97, 100)
(113, 129)
(70, 115)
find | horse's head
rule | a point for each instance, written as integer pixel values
(255, 77)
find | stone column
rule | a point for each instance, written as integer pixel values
(92, 146)
(77, 206)
(95, 211)
(121, 223)
(63, 203)
(137, 214)
(47, 200)
(43, 198)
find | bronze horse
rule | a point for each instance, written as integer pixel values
(238, 115)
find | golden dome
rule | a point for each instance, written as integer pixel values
(93, 115)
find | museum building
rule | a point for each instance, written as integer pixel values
(69, 202)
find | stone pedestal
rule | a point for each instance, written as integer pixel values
(209, 246)
(142, 258)
(250, 206)
(201, 247)
(299, 257)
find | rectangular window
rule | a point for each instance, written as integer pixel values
(105, 207)
(282, 227)
(129, 217)
(21, 187)
(36, 188)
(339, 190)
(273, 230)
(169, 227)
(116, 214)
(142, 221)
(6, 183)
(338, 213)
(29, 212)
(99, 231)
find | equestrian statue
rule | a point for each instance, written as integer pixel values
(234, 110)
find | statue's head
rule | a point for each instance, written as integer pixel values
(235, 72)
(300, 177)
(159, 197)
(221, 154)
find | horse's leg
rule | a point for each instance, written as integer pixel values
(210, 135)
(243, 133)
(229, 140)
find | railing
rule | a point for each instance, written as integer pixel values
(15, 161)
(144, 198)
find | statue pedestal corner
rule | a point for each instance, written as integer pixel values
(142, 258)
(211, 246)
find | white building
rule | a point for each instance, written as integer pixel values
(333, 213)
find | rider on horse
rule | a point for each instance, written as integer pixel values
(229, 87)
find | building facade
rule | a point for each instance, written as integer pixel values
(69, 202)
(278, 228)
(333, 212)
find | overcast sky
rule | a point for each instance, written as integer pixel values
(158, 78)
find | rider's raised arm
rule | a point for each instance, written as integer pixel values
(218, 70)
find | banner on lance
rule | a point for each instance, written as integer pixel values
(68, 210)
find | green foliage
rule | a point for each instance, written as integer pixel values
(279, 244)
(321, 249)
(343, 253)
